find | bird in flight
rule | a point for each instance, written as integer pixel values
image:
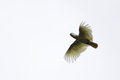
(82, 41)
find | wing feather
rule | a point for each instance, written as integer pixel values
(85, 31)
(74, 51)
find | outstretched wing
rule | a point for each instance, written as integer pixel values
(74, 51)
(85, 31)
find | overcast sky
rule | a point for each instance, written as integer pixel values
(34, 36)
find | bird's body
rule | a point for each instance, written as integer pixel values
(84, 39)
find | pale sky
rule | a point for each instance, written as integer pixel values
(34, 36)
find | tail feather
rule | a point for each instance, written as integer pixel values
(95, 45)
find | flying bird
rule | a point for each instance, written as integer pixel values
(82, 41)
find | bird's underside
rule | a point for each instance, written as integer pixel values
(80, 44)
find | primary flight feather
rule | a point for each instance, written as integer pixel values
(84, 39)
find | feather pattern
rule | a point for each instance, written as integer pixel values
(85, 32)
(74, 51)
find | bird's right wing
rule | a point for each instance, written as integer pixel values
(74, 51)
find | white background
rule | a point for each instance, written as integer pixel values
(34, 36)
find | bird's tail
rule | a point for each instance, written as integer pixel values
(95, 45)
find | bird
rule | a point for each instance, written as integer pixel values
(82, 41)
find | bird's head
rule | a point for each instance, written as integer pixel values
(74, 35)
(71, 34)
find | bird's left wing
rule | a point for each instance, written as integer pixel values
(74, 51)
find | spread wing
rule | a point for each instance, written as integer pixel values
(85, 31)
(74, 51)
